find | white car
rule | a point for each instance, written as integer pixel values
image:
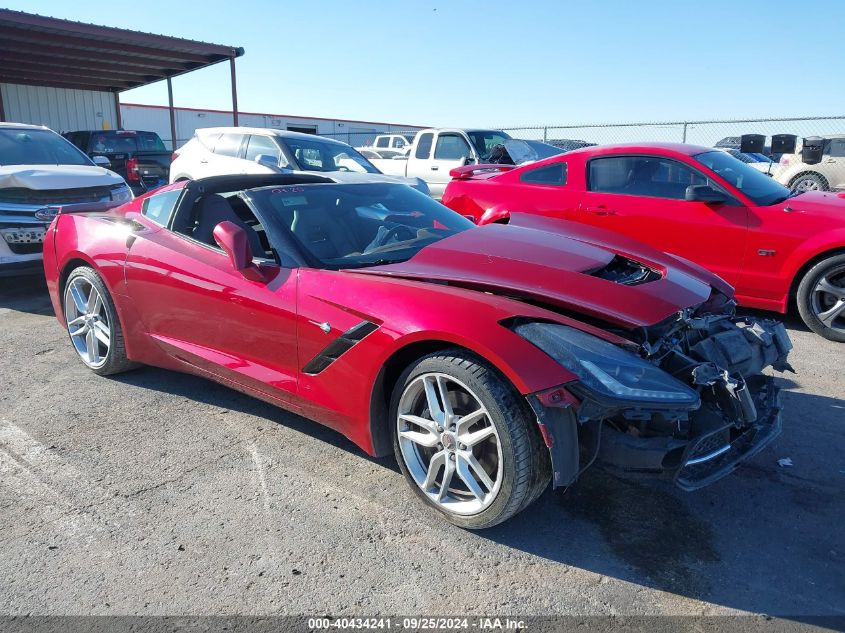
(39, 172)
(244, 150)
(827, 173)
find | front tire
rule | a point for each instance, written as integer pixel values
(809, 182)
(466, 440)
(92, 323)
(821, 298)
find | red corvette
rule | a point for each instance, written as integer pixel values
(773, 246)
(490, 360)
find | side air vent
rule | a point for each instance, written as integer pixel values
(627, 272)
(338, 347)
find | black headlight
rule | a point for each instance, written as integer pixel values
(607, 370)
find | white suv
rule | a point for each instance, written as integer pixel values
(40, 171)
(827, 175)
(242, 150)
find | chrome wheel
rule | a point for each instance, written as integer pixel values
(828, 299)
(807, 184)
(449, 444)
(87, 322)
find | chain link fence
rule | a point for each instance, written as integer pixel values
(707, 133)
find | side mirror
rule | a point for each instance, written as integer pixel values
(235, 243)
(102, 161)
(704, 193)
(467, 160)
(268, 160)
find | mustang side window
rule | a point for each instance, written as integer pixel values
(649, 176)
(548, 175)
(159, 207)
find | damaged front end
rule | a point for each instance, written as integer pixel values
(688, 400)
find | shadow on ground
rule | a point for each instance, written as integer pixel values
(25, 293)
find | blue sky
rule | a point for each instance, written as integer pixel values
(502, 63)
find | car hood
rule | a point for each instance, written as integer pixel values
(819, 203)
(550, 262)
(47, 177)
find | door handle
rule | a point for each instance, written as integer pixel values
(599, 210)
(434, 168)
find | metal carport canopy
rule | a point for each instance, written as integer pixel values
(41, 51)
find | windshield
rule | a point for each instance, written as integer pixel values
(485, 140)
(762, 189)
(357, 225)
(528, 151)
(38, 147)
(126, 141)
(317, 155)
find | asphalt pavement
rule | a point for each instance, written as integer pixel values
(159, 493)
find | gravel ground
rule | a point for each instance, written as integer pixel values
(159, 493)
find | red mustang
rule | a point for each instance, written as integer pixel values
(774, 247)
(491, 360)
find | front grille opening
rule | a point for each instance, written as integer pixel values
(627, 272)
(18, 195)
(26, 248)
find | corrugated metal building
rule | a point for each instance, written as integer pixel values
(62, 109)
(156, 119)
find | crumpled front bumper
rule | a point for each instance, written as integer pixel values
(738, 415)
(717, 453)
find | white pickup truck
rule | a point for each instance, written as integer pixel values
(436, 151)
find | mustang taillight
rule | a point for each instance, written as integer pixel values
(132, 172)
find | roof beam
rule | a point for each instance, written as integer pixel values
(76, 72)
(150, 40)
(90, 57)
(54, 84)
(97, 44)
(14, 76)
(79, 66)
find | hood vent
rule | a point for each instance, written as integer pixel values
(627, 272)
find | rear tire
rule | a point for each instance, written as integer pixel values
(92, 323)
(433, 441)
(821, 298)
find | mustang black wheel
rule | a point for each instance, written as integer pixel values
(466, 441)
(821, 298)
(92, 323)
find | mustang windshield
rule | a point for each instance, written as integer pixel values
(762, 189)
(357, 225)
